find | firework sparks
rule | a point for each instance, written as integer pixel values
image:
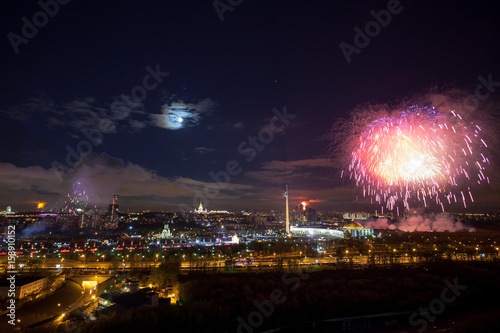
(417, 154)
(81, 197)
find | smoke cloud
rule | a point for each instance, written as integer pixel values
(419, 223)
(36, 228)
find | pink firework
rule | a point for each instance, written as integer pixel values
(419, 154)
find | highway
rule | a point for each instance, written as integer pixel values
(261, 261)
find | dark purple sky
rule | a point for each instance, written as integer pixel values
(100, 69)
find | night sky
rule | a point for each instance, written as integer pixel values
(170, 94)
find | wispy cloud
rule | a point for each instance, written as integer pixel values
(293, 165)
(99, 176)
(238, 125)
(284, 171)
(123, 114)
(204, 150)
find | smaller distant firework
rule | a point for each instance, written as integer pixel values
(414, 155)
(81, 198)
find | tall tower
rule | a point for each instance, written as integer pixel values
(115, 198)
(113, 208)
(287, 218)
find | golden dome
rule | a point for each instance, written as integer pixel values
(353, 225)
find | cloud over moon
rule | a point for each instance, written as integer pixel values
(123, 114)
(178, 114)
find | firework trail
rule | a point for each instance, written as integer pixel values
(416, 155)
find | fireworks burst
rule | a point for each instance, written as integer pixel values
(81, 197)
(419, 154)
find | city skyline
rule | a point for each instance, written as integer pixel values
(249, 166)
(167, 107)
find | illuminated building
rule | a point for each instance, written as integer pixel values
(304, 213)
(113, 213)
(96, 220)
(356, 230)
(350, 230)
(7, 211)
(200, 209)
(356, 216)
(235, 239)
(84, 221)
(113, 208)
(317, 232)
(25, 286)
(166, 233)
